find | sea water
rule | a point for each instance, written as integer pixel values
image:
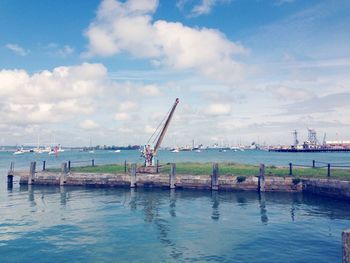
(22, 161)
(75, 224)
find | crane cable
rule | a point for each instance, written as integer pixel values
(158, 130)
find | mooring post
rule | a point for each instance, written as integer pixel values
(346, 245)
(31, 173)
(262, 178)
(329, 170)
(44, 165)
(69, 165)
(133, 175)
(63, 175)
(290, 169)
(214, 177)
(172, 176)
(313, 163)
(157, 166)
(10, 175)
(92, 162)
(125, 166)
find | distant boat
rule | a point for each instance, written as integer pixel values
(174, 151)
(117, 151)
(198, 151)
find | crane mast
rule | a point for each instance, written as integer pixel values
(148, 153)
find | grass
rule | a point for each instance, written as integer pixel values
(224, 169)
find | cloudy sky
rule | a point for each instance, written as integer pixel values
(244, 70)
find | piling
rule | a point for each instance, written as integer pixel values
(64, 173)
(10, 175)
(133, 175)
(262, 178)
(329, 170)
(214, 177)
(290, 169)
(125, 166)
(157, 166)
(44, 165)
(313, 163)
(92, 162)
(346, 246)
(69, 165)
(31, 176)
(172, 176)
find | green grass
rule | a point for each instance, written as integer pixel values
(224, 169)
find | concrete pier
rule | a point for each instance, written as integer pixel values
(133, 176)
(64, 174)
(262, 178)
(172, 176)
(31, 177)
(214, 177)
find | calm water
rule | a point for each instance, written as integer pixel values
(106, 157)
(52, 224)
(122, 225)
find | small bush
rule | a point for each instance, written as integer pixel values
(296, 181)
(273, 167)
(240, 179)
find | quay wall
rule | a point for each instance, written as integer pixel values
(326, 187)
(225, 182)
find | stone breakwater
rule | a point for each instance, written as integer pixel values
(326, 187)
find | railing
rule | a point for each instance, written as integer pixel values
(320, 165)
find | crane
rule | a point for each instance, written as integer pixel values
(148, 152)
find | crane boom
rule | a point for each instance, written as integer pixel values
(165, 127)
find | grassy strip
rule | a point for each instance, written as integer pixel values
(224, 169)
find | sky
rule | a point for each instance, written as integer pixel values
(108, 71)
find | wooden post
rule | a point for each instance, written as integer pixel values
(262, 178)
(44, 165)
(92, 162)
(214, 177)
(172, 176)
(10, 175)
(346, 245)
(133, 175)
(313, 163)
(31, 173)
(290, 169)
(69, 165)
(63, 175)
(329, 170)
(125, 166)
(157, 166)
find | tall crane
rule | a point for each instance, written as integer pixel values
(148, 152)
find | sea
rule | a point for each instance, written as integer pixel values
(81, 224)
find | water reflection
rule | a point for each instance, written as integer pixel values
(172, 204)
(263, 210)
(215, 205)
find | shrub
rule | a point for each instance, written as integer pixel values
(240, 179)
(296, 180)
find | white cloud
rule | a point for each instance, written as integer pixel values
(128, 27)
(127, 106)
(150, 90)
(50, 96)
(217, 109)
(202, 8)
(289, 94)
(121, 116)
(17, 49)
(88, 124)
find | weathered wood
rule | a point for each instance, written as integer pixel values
(262, 178)
(64, 173)
(44, 165)
(346, 246)
(31, 176)
(172, 176)
(214, 177)
(10, 174)
(133, 175)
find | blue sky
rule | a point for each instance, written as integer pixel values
(244, 70)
